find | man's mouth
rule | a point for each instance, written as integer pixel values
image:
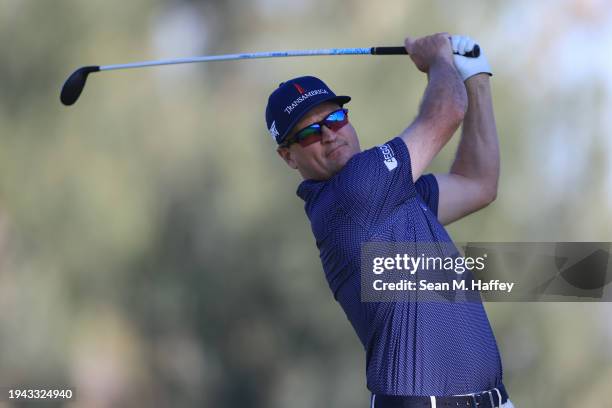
(332, 151)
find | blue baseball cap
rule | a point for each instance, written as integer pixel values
(292, 100)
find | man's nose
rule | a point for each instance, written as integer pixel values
(327, 135)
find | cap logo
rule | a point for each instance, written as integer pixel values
(302, 98)
(299, 88)
(273, 132)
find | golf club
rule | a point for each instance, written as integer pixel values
(76, 81)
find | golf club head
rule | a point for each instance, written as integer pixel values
(75, 83)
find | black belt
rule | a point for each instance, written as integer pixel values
(486, 399)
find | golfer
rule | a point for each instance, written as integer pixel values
(425, 354)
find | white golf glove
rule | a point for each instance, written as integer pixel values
(468, 67)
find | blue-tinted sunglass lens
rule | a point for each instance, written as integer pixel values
(336, 116)
(309, 131)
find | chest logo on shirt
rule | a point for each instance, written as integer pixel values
(389, 156)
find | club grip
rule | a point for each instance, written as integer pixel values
(475, 53)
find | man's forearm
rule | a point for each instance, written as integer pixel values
(445, 100)
(478, 152)
(440, 114)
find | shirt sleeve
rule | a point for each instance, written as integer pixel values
(374, 182)
(427, 188)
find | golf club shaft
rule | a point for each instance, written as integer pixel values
(273, 54)
(227, 57)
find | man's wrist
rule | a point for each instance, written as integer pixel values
(443, 59)
(440, 65)
(478, 81)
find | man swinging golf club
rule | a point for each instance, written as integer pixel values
(435, 354)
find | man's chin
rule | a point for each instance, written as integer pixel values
(339, 163)
(336, 165)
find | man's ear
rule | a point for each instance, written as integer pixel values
(285, 154)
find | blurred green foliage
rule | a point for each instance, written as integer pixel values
(152, 249)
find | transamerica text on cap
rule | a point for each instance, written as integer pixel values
(302, 98)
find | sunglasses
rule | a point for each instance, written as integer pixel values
(312, 133)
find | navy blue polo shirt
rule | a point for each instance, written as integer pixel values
(412, 348)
